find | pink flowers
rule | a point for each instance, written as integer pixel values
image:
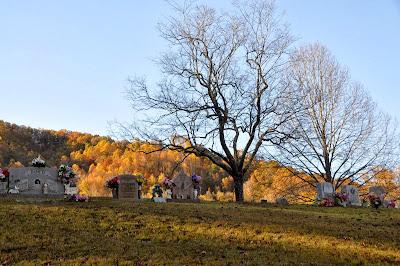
(391, 204)
(79, 198)
(342, 197)
(328, 202)
(65, 173)
(168, 183)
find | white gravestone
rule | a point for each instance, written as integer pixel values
(353, 198)
(168, 193)
(70, 190)
(325, 190)
(159, 200)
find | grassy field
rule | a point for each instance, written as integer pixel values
(107, 232)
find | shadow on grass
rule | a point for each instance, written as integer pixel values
(106, 231)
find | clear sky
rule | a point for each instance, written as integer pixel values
(64, 63)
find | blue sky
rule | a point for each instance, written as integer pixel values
(64, 64)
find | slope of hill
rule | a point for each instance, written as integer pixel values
(106, 232)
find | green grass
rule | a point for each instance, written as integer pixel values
(107, 232)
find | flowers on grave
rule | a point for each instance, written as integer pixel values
(196, 181)
(327, 202)
(157, 191)
(375, 201)
(38, 162)
(4, 174)
(79, 198)
(340, 198)
(66, 174)
(196, 178)
(391, 204)
(140, 180)
(113, 182)
(168, 183)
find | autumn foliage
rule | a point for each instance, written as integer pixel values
(97, 158)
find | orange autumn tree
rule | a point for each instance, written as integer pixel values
(270, 180)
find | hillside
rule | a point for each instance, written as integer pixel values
(96, 158)
(105, 232)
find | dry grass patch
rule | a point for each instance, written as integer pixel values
(110, 232)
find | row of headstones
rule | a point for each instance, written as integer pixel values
(325, 190)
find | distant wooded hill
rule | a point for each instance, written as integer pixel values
(97, 158)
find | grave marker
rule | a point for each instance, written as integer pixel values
(353, 195)
(128, 187)
(325, 190)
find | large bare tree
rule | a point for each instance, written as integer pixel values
(219, 96)
(339, 136)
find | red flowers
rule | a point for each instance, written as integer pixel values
(328, 202)
(168, 183)
(113, 182)
(342, 197)
(4, 174)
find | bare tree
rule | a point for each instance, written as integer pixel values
(220, 92)
(339, 136)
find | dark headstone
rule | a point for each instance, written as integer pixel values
(128, 187)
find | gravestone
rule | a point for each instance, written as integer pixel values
(3, 187)
(352, 194)
(282, 201)
(35, 181)
(70, 189)
(378, 191)
(324, 191)
(159, 200)
(128, 187)
(183, 188)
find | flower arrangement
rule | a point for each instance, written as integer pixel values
(38, 162)
(113, 182)
(4, 174)
(79, 198)
(391, 204)
(65, 173)
(375, 201)
(140, 180)
(157, 191)
(327, 202)
(196, 178)
(168, 183)
(340, 198)
(196, 181)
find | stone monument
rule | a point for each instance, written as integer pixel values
(184, 187)
(353, 198)
(128, 187)
(378, 191)
(325, 190)
(35, 181)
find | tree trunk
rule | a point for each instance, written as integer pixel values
(238, 188)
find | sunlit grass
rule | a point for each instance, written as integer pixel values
(110, 232)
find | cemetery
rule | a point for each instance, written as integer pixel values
(130, 227)
(196, 132)
(38, 181)
(105, 232)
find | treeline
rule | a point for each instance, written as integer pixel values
(97, 158)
